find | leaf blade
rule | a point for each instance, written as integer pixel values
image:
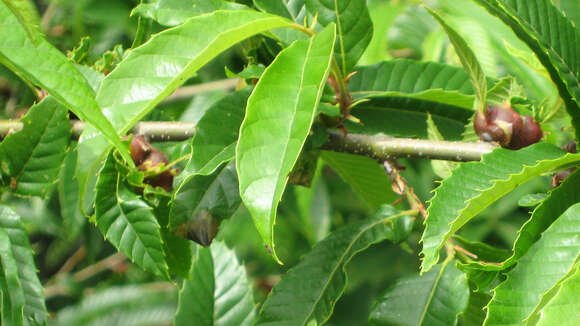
(475, 185)
(127, 221)
(218, 291)
(266, 133)
(321, 274)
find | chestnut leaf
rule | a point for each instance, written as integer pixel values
(279, 115)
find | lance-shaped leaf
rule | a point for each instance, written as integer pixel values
(434, 299)
(32, 158)
(127, 221)
(175, 12)
(203, 201)
(216, 134)
(563, 308)
(217, 292)
(546, 262)
(278, 118)
(543, 216)
(364, 175)
(37, 61)
(154, 70)
(309, 291)
(354, 28)
(403, 92)
(554, 40)
(133, 305)
(468, 60)
(26, 13)
(474, 186)
(21, 291)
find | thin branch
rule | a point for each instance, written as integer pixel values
(378, 147)
(385, 148)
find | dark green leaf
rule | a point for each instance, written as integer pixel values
(127, 221)
(292, 9)
(354, 27)
(275, 127)
(203, 201)
(32, 158)
(217, 292)
(367, 178)
(21, 291)
(436, 298)
(309, 291)
(68, 196)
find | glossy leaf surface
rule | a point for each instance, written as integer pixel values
(309, 291)
(545, 263)
(434, 299)
(38, 62)
(127, 221)
(32, 158)
(563, 307)
(217, 292)
(275, 127)
(474, 186)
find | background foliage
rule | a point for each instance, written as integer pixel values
(304, 235)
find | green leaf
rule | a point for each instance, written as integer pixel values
(475, 185)
(543, 216)
(22, 297)
(364, 175)
(402, 92)
(40, 63)
(205, 198)
(176, 12)
(132, 305)
(469, 62)
(563, 308)
(436, 298)
(309, 291)
(154, 70)
(275, 127)
(532, 200)
(409, 31)
(554, 40)
(354, 27)
(218, 291)
(546, 262)
(216, 134)
(27, 14)
(127, 221)
(32, 158)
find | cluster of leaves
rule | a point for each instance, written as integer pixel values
(308, 66)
